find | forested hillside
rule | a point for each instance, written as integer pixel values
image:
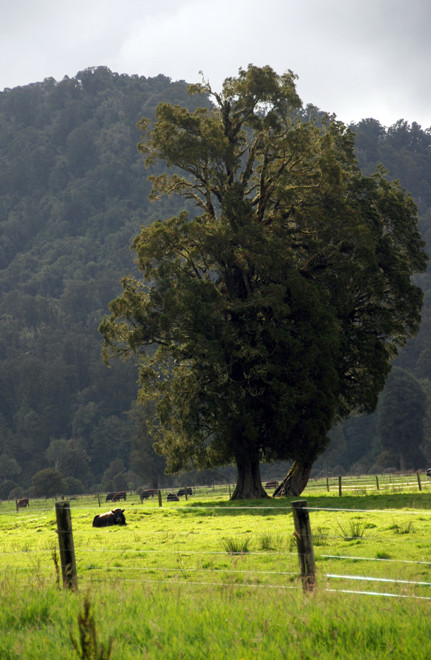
(400, 439)
(73, 194)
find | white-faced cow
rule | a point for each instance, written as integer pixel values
(428, 472)
(114, 517)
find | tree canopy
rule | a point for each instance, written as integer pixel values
(271, 306)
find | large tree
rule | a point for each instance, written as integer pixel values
(271, 305)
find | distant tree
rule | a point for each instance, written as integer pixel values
(47, 483)
(73, 486)
(9, 467)
(6, 487)
(401, 420)
(369, 135)
(275, 309)
(56, 451)
(69, 457)
(16, 493)
(114, 477)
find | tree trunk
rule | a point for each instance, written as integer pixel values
(295, 480)
(249, 482)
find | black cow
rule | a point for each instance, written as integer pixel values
(114, 517)
(121, 495)
(146, 493)
(428, 472)
(109, 497)
(171, 497)
(185, 491)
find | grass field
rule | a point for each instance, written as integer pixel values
(210, 578)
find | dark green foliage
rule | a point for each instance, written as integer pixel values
(401, 420)
(47, 483)
(273, 309)
(405, 151)
(6, 487)
(73, 193)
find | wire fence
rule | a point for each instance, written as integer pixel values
(332, 485)
(275, 568)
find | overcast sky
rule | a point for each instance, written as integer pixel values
(355, 58)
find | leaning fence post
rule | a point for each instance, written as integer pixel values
(377, 482)
(304, 542)
(340, 490)
(65, 541)
(419, 480)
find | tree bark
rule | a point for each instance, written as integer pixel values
(249, 482)
(295, 480)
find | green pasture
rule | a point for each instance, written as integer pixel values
(212, 578)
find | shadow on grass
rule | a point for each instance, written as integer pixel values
(419, 500)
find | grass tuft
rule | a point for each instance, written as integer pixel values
(356, 530)
(236, 546)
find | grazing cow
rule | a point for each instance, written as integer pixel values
(428, 472)
(146, 493)
(172, 497)
(121, 495)
(109, 497)
(114, 517)
(22, 503)
(185, 491)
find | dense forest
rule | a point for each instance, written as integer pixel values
(73, 194)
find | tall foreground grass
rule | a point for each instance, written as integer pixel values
(172, 622)
(209, 578)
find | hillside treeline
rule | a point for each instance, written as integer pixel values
(73, 194)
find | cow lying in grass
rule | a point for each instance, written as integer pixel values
(114, 517)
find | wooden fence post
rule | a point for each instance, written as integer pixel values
(65, 540)
(160, 497)
(327, 484)
(304, 542)
(377, 482)
(340, 490)
(419, 480)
